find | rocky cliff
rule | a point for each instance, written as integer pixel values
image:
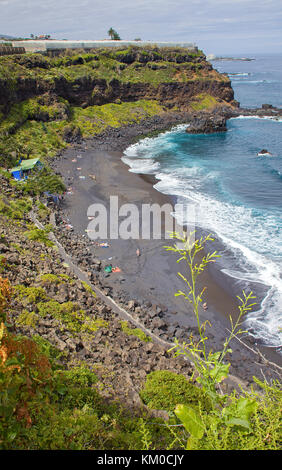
(169, 75)
(46, 102)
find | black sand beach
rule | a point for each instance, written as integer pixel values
(149, 279)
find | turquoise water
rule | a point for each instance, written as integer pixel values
(237, 194)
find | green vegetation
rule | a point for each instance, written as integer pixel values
(70, 316)
(203, 101)
(40, 181)
(47, 279)
(134, 331)
(210, 366)
(27, 319)
(95, 119)
(88, 288)
(113, 34)
(75, 65)
(163, 390)
(44, 139)
(77, 95)
(39, 235)
(45, 405)
(235, 421)
(47, 402)
(30, 295)
(15, 209)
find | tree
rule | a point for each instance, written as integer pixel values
(113, 34)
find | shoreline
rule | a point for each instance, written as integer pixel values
(150, 281)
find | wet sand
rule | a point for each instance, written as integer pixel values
(152, 276)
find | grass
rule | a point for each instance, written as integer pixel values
(44, 139)
(203, 101)
(48, 407)
(99, 64)
(96, 119)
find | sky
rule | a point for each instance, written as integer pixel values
(216, 26)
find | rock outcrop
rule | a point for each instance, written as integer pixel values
(207, 124)
(170, 76)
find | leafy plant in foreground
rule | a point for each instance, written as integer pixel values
(210, 366)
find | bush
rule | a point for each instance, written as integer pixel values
(42, 181)
(164, 390)
(39, 235)
(15, 209)
(134, 332)
(229, 432)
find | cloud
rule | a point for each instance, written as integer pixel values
(219, 21)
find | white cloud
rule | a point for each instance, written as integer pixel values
(219, 21)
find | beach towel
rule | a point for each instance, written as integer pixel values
(116, 270)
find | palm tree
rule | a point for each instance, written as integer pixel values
(113, 34)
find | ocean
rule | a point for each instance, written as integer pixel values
(237, 194)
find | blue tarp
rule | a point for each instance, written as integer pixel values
(25, 167)
(17, 174)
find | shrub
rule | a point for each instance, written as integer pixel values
(134, 332)
(44, 180)
(15, 209)
(70, 316)
(263, 432)
(29, 295)
(26, 318)
(39, 235)
(5, 297)
(164, 390)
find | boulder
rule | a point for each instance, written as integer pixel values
(207, 124)
(264, 152)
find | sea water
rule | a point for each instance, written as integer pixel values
(237, 194)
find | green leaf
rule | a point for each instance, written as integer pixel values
(238, 422)
(219, 372)
(246, 407)
(11, 436)
(239, 414)
(191, 420)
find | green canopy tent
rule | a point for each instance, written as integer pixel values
(24, 167)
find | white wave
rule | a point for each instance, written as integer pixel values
(270, 118)
(148, 143)
(258, 234)
(252, 82)
(239, 74)
(266, 323)
(172, 184)
(141, 165)
(253, 233)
